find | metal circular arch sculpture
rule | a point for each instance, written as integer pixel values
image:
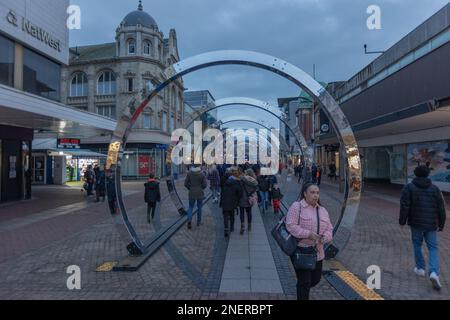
(331, 108)
(265, 106)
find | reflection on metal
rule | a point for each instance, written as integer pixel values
(239, 101)
(245, 119)
(286, 70)
(306, 150)
(175, 197)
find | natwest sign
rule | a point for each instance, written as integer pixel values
(68, 143)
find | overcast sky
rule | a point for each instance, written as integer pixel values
(327, 33)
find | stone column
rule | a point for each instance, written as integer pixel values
(139, 44)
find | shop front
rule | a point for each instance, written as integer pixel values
(435, 155)
(140, 159)
(15, 150)
(62, 161)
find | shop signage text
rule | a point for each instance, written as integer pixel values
(67, 143)
(34, 31)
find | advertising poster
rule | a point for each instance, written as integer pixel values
(437, 156)
(398, 171)
(144, 165)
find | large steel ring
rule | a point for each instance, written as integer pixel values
(331, 108)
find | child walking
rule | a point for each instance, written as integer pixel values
(276, 198)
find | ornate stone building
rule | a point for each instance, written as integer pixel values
(106, 78)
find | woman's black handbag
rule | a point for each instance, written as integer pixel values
(306, 258)
(285, 240)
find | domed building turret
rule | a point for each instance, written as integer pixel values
(138, 35)
(106, 78)
(140, 17)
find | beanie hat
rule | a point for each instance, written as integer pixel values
(422, 172)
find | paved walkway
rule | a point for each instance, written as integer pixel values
(249, 265)
(198, 263)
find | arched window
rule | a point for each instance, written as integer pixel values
(147, 48)
(106, 83)
(131, 46)
(79, 85)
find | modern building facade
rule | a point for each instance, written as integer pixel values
(288, 106)
(200, 99)
(107, 78)
(399, 107)
(33, 50)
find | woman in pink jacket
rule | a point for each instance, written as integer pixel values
(301, 222)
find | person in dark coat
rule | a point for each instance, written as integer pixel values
(332, 168)
(111, 191)
(229, 200)
(196, 183)
(249, 186)
(422, 207)
(89, 178)
(314, 173)
(263, 190)
(152, 196)
(100, 184)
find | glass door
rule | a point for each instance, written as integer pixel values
(38, 170)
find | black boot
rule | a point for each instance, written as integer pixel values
(242, 228)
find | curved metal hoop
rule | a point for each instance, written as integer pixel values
(248, 58)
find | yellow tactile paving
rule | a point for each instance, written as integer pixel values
(106, 267)
(359, 286)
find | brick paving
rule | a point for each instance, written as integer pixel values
(377, 239)
(34, 258)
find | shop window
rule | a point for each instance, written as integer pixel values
(41, 76)
(6, 62)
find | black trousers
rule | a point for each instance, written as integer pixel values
(112, 205)
(228, 220)
(151, 207)
(249, 214)
(307, 279)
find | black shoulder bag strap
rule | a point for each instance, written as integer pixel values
(318, 221)
(318, 225)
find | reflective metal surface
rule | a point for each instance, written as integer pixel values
(284, 69)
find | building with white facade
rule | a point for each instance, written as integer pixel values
(33, 50)
(107, 78)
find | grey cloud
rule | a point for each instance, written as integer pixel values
(328, 33)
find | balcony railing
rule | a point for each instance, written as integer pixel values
(105, 98)
(77, 100)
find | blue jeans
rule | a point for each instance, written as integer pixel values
(264, 198)
(191, 209)
(215, 191)
(432, 244)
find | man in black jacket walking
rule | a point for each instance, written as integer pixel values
(152, 196)
(422, 208)
(229, 201)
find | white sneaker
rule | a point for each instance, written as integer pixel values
(434, 278)
(419, 272)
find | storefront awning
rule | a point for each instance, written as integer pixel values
(76, 153)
